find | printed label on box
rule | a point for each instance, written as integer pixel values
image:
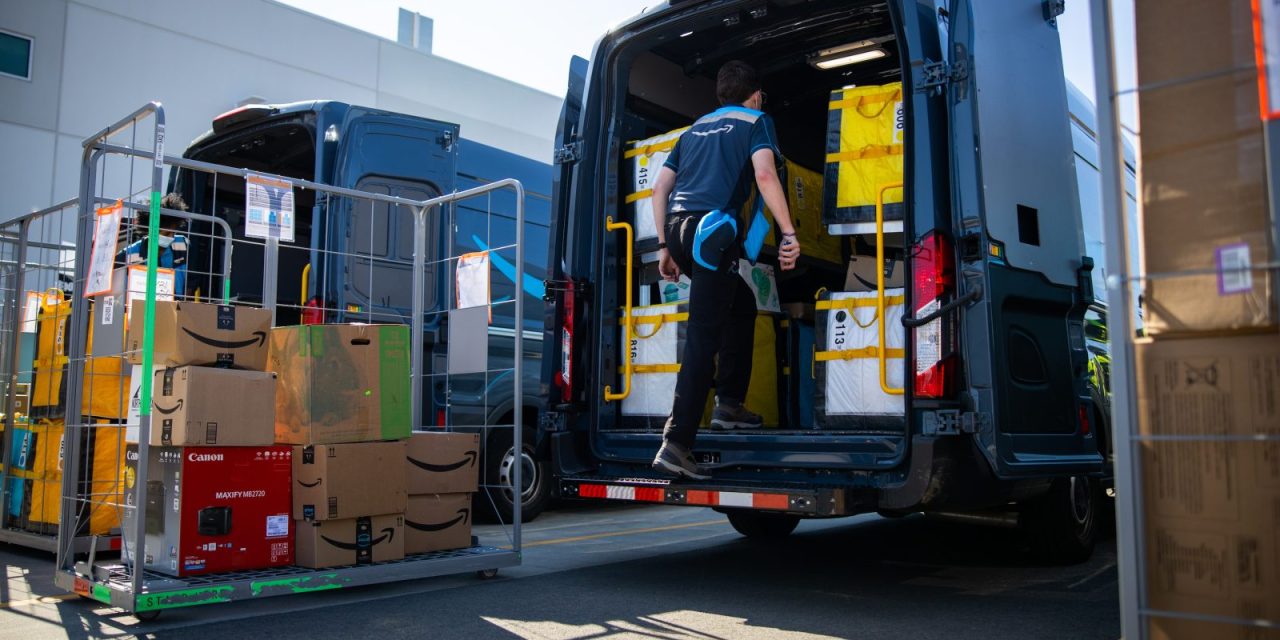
(278, 526)
(1234, 275)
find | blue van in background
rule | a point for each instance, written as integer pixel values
(351, 262)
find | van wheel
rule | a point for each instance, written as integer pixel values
(1062, 526)
(500, 461)
(763, 526)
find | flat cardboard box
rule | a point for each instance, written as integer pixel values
(339, 543)
(203, 334)
(341, 481)
(1211, 505)
(437, 523)
(861, 274)
(213, 407)
(1204, 190)
(341, 383)
(438, 462)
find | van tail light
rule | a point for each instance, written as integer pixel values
(1085, 427)
(564, 376)
(313, 311)
(440, 418)
(937, 363)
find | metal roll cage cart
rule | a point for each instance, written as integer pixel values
(126, 585)
(1136, 611)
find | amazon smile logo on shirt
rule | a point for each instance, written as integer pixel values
(725, 129)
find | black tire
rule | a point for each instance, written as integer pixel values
(497, 501)
(763, 526)
(1062, 526)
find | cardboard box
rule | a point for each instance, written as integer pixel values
(1204, 187)
(339, 543)
(1212, 505)
(111, 309)
(437, 523)
(210, 406)
(212, 509)
(439, 462)
(203, 334)
(342, 481)
(861, 274)
(341, 383)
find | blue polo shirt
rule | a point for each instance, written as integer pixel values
(712, 160)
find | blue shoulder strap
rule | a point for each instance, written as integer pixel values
(757, 230)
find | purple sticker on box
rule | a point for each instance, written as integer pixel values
(1234, 274)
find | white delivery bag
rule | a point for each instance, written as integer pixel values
(657, 344)
(646, 158)
(848, 363)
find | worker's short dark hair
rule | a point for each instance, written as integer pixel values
(736, 82)
(169, 201)
(173, 201)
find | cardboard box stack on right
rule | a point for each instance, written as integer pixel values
(443, 471)
(1209, 372)
(343, 402)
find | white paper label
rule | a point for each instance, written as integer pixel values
(899, 121)
(1234, 275)
(278, 526)
(473, 280)
(268, 208)
(109, 310)
(102, 258)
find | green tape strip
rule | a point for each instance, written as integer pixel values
(301, 584)
(183, 598)
(149, 316)
(100, 593)
(393, 380)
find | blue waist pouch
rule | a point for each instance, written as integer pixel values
(717, 231)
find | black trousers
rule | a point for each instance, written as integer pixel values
(720, 335)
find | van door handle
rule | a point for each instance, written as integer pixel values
(627, 367)
(974, 295)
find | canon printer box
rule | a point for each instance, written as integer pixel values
(212, 509)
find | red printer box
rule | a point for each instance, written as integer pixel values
(212, 509)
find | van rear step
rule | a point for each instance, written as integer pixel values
(808, 501)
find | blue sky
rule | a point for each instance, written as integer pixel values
(531, 41)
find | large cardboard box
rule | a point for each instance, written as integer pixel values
(338, 543)
(212, 509)
(861, 274)
(1204, 186)
(1211, 505)
(211, 406)
(438, 462)
(437, 523)
(341, 383)
(341, 481)
(203, 334)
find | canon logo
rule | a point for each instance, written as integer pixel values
(204, 457)
(131, 455)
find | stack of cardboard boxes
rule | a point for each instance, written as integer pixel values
(443, 472)
(1209, 373)
(217, 487)
(343, 403)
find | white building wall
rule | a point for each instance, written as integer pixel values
(97, 60)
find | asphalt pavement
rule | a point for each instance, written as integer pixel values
(657, 573)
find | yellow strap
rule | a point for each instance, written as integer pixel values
(30, 475)
(659, 318)
(653, 368)
(650, 149)
(854, 303)
(53, 362)
(869, 152)
(639, 195)
(854, 354)
(860, 101)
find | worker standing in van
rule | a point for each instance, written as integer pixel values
(705, 182)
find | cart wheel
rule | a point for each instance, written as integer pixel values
(487, 574)
(147, 616)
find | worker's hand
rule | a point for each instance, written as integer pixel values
(667, 266)
(789, 252)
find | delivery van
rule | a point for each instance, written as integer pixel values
(929, 351)
(353, 263)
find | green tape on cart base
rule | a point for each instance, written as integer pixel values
(183, 598)
(100, 593)
(300, 584)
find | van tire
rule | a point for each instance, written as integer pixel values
(1062, 526)
(496, 500)
(762, 526)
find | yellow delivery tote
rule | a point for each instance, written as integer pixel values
(847, 362)
(865, 138)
